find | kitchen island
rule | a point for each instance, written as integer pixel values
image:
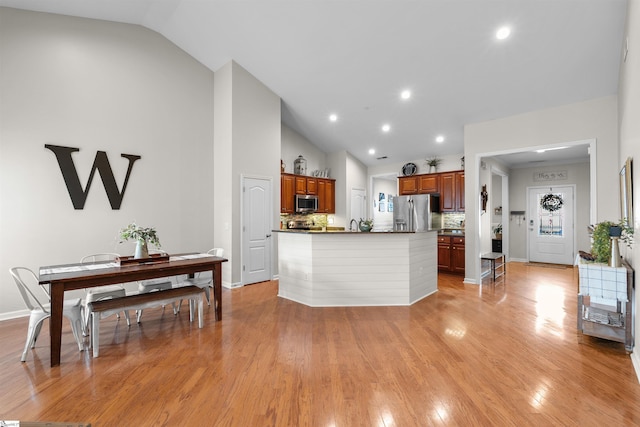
(342, 268)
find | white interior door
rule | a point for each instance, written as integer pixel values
(358, 208)
(551, 233)
(256, 230)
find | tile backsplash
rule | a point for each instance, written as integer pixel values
(453, 220)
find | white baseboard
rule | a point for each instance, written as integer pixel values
(232, 285)
(14, 314)
(518, 260)
(469, 281)
(635, 359)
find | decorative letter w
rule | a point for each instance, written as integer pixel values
(101, 163)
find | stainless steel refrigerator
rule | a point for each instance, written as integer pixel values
(416, 213)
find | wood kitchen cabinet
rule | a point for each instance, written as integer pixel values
(326, 195)
(451, 254)
(450, 185)
(452, 191)
(312, 186)
(324, 188)
(301, 184)
(287, 192)
(429, 183)
(408, 185)
(419, 184)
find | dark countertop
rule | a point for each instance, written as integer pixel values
(455, 233)
(341, 232)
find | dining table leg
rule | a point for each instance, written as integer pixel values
(217, 289)
(55, 322)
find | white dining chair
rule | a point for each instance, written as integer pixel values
(101, 292)
(152, 285)
(203, 280)
(26, 280)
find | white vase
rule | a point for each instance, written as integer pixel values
(142, 250)
(433, 169)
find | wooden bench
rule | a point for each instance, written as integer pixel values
(142, 301)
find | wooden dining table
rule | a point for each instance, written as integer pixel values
(69, 277)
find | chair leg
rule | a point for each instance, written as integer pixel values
(126, 316)
(75, 316)
(192, 307)
(207, 293)
(35, 325)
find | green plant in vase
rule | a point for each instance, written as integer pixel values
(433, 163)
(143, 236)
(601, 238)
(497, 230)
(365, 224)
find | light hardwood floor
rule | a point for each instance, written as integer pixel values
(491, 355)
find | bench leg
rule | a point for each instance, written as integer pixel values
(200, 308)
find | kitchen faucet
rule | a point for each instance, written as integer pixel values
(351, 223)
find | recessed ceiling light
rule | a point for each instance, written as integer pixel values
(333, 117)
(386, 128)
(439, 138)
(372, 151)
(503, 33)
(406, 94)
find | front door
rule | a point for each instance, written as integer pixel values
(550, 219)
(256, 230)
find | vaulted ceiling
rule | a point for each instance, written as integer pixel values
(353, 58)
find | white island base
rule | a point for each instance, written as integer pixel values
(357, 269)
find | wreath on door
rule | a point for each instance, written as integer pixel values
(551, 202)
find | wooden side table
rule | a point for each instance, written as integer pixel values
(498, 264)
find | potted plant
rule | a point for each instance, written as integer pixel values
(601, 234)
(497, 230)
(365, 224)
(433, 163)
(143, 236)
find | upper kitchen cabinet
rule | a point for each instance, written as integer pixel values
(291, 184)
(326, 195)
(460, 191)
(419, 184)
(452, 191)
(408, 185)
(287, 192)
(301, 184)
(429, 183)
(312, 186)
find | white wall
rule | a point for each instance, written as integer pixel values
(356, 177)
(382, 220)
(106, 86)
(629, 111)
(449, 163)
(520, 179)
(593, 119)
(294, 145)
(252, 147)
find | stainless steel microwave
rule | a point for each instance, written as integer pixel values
(306, 203)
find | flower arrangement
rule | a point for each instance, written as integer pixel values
(497, 230)
(140, 234)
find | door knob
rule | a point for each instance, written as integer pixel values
(268, 235)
